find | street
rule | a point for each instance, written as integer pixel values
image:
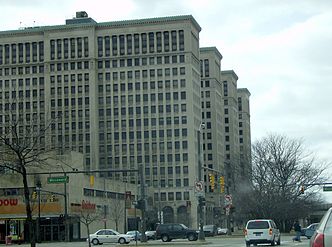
(224, 241)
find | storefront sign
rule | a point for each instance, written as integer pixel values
(86, 205)
(8, 202)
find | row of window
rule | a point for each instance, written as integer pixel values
(74, 90)
(27, 117)
(72, 78)
(153, 147)
(64, 115)
(72, 102)
(169, 133)
(138, 122)
(152, 73)
(161, 158)
(69, 66)
(22, 53)
(179, 196)
(140, 43)
(140, 61)
(137, 98)
(104, 193)
(121, 196)
(23, 94)
(69, 48)
(22, 70)
(145, 110)
(27, 106)
(137, 86)
(8, 85)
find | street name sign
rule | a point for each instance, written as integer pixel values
(58, 180)
(327, 188)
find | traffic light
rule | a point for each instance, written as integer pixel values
(140, 204)
(211, 179)
(52, 199)
(201, 201)
(34, 195)
(302, 190)
(222, 184)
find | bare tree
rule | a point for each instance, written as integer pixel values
(88, 216)
(23, 147)
(116, 214)
(281, 166)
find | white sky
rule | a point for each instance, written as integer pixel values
(280, 50)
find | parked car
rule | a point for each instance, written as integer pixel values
(135, 234)
(150, 235)
(210, 230)
(310, 230)
(261, 231)
(167, 232)
(109, 236)
(323, 234)
(222, 231)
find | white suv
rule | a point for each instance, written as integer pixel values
(261, 232)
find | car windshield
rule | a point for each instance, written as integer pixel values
(115, 232)
(258, 225)
(184, 227)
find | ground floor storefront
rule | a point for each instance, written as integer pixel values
(50, 229)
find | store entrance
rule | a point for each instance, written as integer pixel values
(51, 230)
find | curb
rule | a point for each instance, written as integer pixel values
(174, 242)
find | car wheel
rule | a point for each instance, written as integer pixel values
(95, 241)
(279, 240)
(122, 241)
(164, 238)
(192, 237)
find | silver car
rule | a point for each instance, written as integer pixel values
(109, 236)
(323, 234)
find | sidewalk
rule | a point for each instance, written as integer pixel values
(179, 242)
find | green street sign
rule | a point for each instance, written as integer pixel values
(327, 188)
(58, 180)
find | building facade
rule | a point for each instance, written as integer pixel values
(110, 203)
(213, 136)
(127, 94)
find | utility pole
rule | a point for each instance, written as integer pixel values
(38, 186)
(66, 209)
(201, 235)
(125, 206)
(142, 182)
(105, 207)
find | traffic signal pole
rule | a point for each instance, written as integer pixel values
(66, 211)
(201, 235)
(143, 208)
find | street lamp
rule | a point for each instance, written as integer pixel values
(201, 235)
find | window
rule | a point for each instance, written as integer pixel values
(178, 196)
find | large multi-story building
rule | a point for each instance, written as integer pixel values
(126, 94)
(213, 136)
(237, 143)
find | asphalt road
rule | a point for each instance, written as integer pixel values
(224, 241)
